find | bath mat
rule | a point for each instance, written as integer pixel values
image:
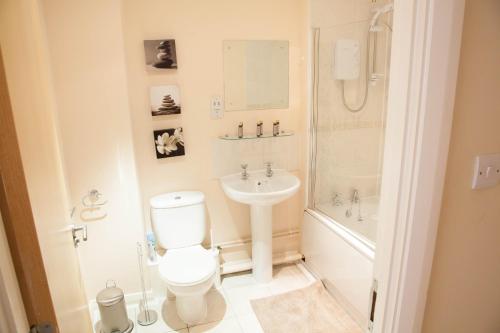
(307, 310)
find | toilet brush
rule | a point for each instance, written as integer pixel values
(146, 316)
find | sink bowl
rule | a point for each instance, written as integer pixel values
(261, 193)
(259, 189)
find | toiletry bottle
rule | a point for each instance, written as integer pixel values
(276, 128)
(151, 246)
(240, 130)
(259, 128)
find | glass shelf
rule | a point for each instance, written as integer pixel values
(250, 137)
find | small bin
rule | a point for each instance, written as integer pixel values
(111, 302)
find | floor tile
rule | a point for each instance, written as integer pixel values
(240, 297)
(230, 325)
(238, 280)
(219, 307)
(229, 308)
(168, 320)
(287, 278)
(250, 324)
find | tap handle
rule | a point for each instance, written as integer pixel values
(244, 166)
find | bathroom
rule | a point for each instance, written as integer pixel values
(269, 130)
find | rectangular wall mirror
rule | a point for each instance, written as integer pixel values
(255, 74)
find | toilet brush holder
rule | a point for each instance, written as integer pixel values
(146, 316)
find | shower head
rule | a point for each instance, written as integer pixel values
(377, 12)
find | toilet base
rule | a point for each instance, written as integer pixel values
(191, 309)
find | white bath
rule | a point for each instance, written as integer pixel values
(342, 260)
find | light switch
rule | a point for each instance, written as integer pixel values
(486, 171)
(216, 107)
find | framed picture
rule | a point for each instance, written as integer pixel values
(165, 100)
(169, 142)
(160, 54)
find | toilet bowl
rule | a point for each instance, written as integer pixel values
(189, 273)
(188, 269)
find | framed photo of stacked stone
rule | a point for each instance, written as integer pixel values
(160, 54)
(165, 100)
(169, 142)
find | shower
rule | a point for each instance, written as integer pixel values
(346, 150)
(373, 29)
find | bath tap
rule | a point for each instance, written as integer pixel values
(244, 173)
(269, 171)
(355, 197)
(355, 200)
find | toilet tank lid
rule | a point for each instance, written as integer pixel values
(177, 199)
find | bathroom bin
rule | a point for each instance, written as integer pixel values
(111, 302)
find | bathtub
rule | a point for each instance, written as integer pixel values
(341, 259)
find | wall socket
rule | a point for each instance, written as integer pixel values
(486, 171)
(216, 107)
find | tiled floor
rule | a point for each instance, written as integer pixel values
(229, 308)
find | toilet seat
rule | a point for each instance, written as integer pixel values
(187, 266)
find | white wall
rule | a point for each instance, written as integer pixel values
(199, 28)
(102, 94)
(464, 290)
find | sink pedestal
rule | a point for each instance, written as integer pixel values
(261, 219)
(261, 192)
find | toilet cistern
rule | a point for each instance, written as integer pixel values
(261, 192)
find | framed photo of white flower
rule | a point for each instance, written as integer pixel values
(160, 54)
(169, 142)
(165, 100)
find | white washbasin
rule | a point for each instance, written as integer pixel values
(259, 189)
(261, 193)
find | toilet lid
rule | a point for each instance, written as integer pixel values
(187, 266)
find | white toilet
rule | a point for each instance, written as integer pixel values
(188, 269)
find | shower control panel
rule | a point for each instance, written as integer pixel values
(347, 58)
(486, 171)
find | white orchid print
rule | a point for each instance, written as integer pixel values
(166, 143)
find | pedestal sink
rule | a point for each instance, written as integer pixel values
(261, 193)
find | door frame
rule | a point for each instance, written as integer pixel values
(18, 219)
(423, 75)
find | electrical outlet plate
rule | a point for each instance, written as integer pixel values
(486, 171)
(216, 107)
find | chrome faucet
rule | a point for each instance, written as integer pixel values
(244, 173)
(269, 171)
(355, 200)
(355, 197)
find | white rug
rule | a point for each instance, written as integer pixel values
(307, 310)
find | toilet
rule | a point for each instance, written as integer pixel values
(188, 269)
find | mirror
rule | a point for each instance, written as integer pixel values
(255, 74)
